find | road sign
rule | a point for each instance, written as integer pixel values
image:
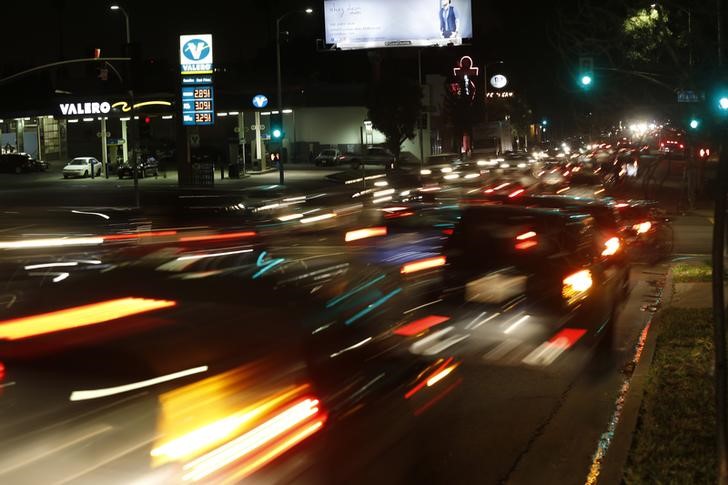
(689, 96)
(260, 101)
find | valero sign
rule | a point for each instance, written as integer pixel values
(195, 54)
(85, 108)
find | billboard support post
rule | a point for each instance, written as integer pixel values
(419, 77)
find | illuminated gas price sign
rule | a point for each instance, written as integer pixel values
(198, 105)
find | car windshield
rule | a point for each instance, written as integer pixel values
(428, 242)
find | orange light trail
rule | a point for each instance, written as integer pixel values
(423, 264)
(80, 316)
(218, 237)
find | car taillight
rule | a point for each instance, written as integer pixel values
(611, 246)
(526, 240)
(2, 371)
(423, 264)
(575, 286)
(365, 233)
(642, 227)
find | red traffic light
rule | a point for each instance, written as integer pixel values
(147, 120)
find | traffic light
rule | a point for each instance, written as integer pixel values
(694, 123)
(275, 157)
(703, 153)
(586, 72)
(723, 103)
(544, 122)
(276, 127)
(145, 128)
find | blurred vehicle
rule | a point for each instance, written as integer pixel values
(516, 282)
(370, 156)
(647, 231)
(138, 382)
(82, 167)
(145, 168)
(607, 224)
(666, 140)
(327, 157)
(17, 163)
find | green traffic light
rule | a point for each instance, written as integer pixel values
(723, 103)
(277, 133)
(586, 80)
(694, 124)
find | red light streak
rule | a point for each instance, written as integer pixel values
(516, 193)
(526, 245)
(419, 326)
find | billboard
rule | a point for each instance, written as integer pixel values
(366, 24)
(195, 54)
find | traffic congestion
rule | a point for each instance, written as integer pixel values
(246, 338)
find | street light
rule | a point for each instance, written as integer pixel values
(307, 11)
(118, 8)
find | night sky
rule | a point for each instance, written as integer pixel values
(48, 30)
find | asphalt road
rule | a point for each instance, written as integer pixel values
(499, 422)
(490, 421)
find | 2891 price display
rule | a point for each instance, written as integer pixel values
(202, 93)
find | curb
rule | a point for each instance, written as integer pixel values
(612, 471)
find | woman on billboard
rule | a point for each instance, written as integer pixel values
(449, 20)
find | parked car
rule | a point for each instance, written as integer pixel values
(370, 156)
(146, 168)
(16, 163)
(330, 156)
(82, 167)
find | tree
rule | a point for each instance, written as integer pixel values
(395, 106)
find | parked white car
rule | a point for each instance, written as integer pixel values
(82, 167)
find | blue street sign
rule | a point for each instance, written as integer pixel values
(260, 101)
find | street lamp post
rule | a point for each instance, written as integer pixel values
(119, 8)
(280, 77)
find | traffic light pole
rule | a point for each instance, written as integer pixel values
(719, 327)
(281, 170)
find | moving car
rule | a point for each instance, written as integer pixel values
(607, 223)
(520, 285)
(82, 167)
(647, 231)
(170, 390)
(329, 156)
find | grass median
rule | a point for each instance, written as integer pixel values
(674, 441)
(692, 273)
